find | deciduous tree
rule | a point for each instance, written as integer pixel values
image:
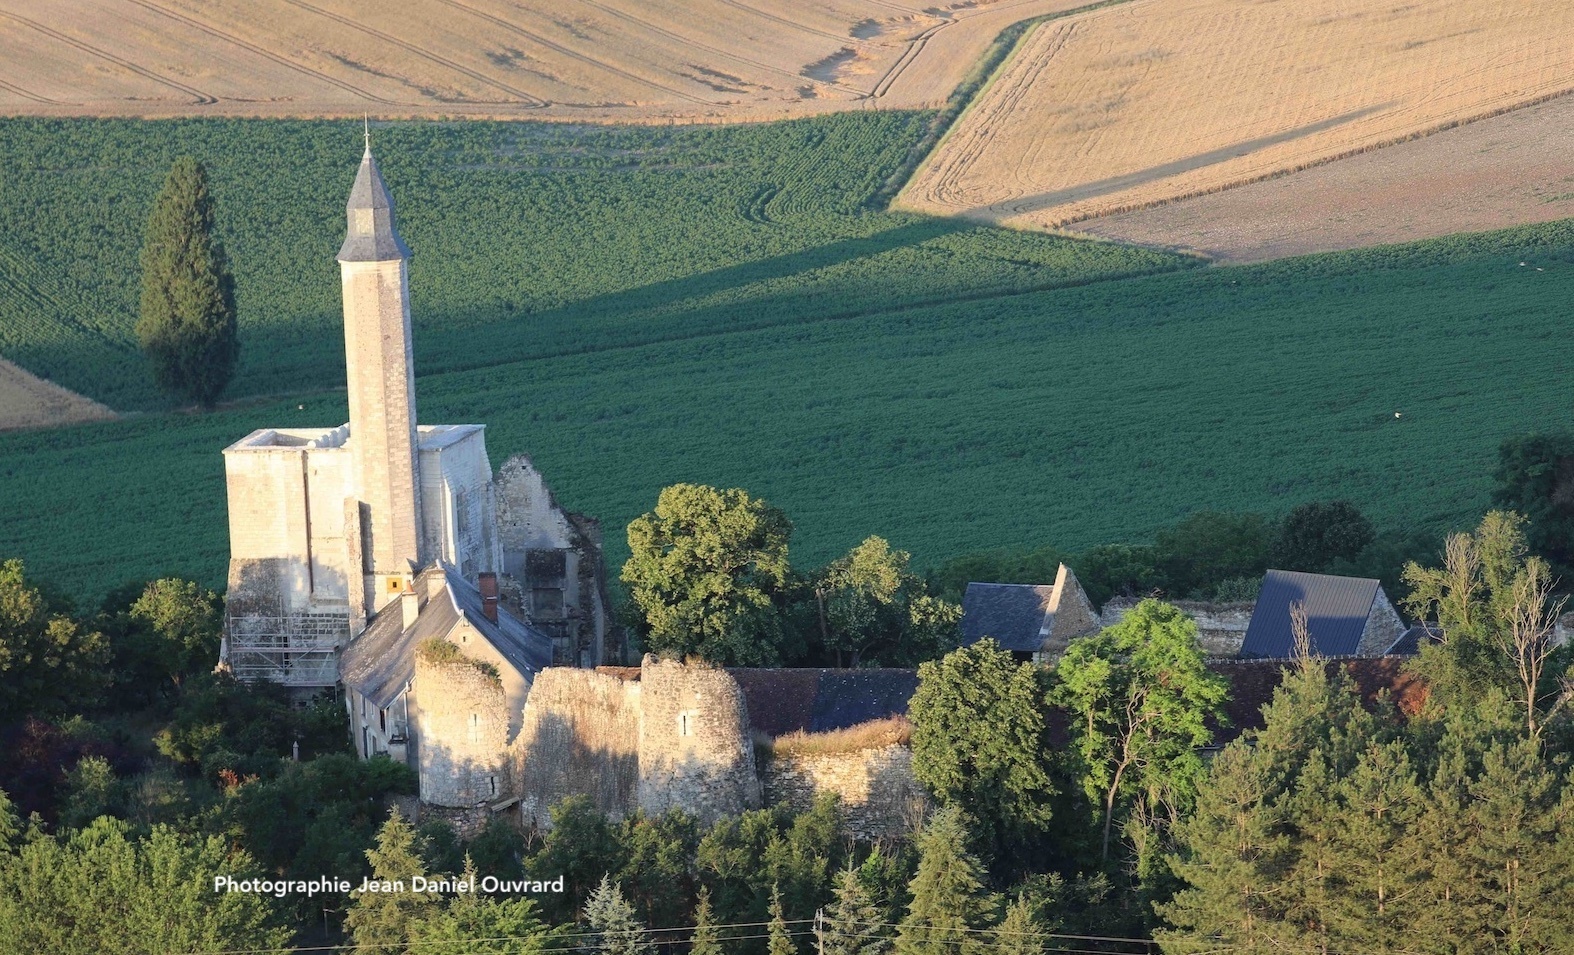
(1141, 700)
(706, 568)
(979, 739)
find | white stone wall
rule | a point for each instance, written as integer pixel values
(381, 382)
(461, 723)
(459, 511)
(1221, 627)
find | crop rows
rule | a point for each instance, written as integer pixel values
(528, 239)
(1068, 417)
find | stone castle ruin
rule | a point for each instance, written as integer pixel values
(330, 526)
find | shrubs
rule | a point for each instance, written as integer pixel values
(891, 731)
(439, 652)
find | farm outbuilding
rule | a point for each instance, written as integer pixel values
(1345, 617)
(1030, 619)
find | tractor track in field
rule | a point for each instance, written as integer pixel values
(264, 52)
(569, 52)
(531, 101)
(200, 98)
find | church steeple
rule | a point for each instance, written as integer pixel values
(371, 236)
(380, 372)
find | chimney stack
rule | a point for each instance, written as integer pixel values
(410, 604)
(488, 585)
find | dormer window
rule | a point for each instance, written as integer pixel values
(363, 221)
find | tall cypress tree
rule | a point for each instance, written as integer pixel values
(187, 324)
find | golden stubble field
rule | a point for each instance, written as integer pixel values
(1139, 104)
(631, 60)
(27, 401)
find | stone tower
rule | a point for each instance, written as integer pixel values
(381, 374)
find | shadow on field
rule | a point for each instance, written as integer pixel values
(613, 320)
(1104, 187)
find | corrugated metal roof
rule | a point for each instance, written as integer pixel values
(1013, 615)
(379, 663)
(1337, 609)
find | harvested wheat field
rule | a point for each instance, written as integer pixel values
(633, 60)
(1509, 170)
(1141, 103)
(27, 401)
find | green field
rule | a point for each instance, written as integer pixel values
(634, 318)
(529, 239)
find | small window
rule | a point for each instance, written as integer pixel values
(393, 585)
(686, 723)
(475, 728)
(382, 720)
(492, 782)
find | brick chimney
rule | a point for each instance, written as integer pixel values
(487, 581)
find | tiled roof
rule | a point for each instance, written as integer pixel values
(1013, 615)
(1252, 683)
(1336, 612)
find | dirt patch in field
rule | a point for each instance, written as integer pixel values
(1155, 100)
(27, 401)
(1508, 170)
(611, 60)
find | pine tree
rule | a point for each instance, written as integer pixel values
(947, 891)
(852, 926)
(1375, 851)
(473, 924)
(1020, 933)
(608, 913)
(382, 921)
(187, 325)
(777, 941)
(705, 940)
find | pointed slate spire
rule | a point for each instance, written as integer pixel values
(371, 236)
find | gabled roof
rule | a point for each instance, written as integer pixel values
(1409, 642)
(816, 701)
(379, 663)
(1016, 616)
(1337, 609)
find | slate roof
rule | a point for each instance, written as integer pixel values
(1409, 642)
(1014, 615)
(1336, 612)
(782, 701)
(379, 663)
(377, 240)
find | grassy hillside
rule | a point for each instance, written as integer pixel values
(1068, 417)
(529, 240)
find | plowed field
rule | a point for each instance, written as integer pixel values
(631, 60)
(1138, 104)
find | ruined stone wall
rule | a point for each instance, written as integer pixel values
(530, 520)
(580, 736)
(695, 749)
(461, 724)
(880, 796)
(1383, 627)
(459, 514)
(1221, 627)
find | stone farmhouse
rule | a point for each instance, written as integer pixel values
(1034, 621)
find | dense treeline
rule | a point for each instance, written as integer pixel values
(1070, 801)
